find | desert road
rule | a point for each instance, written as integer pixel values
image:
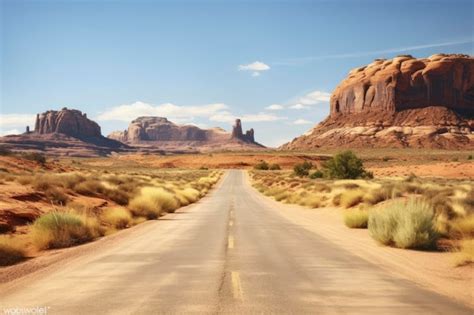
(230, 253)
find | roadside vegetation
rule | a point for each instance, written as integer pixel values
(82, 203)
(408, 212)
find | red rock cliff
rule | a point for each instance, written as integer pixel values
(407, 83)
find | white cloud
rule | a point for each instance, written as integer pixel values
(299, 106)
(315, 97)
(274, 107)
(256, 67)
(9, 132)
(128, 112)
(259, 117)
(17, 120)
(302, 122)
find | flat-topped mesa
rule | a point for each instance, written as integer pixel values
(402, 102)
(237, 132)
(70, 122)
(405, 82)
(152, 128)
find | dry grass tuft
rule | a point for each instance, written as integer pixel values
(152, 202)
(356, 219)
(11, 250)
(117, 217)
(404, 224)
(351, 198)
(63, 229)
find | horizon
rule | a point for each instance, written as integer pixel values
(271, 64)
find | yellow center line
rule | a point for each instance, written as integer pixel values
(236, 285)
(230, 242)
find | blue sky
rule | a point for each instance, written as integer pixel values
(273, 63)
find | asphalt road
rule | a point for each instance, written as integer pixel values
(230, 253)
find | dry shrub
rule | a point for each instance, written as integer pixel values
(312, 201)
(89, 187)
(11, 250)
(404, 224)
(351, 198)
(63, 229)
(356, 219)
(378, 195)
(118, 217)
(187, 196)
(152, 201)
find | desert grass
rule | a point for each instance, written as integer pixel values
(59, 229)
(151, 202)
(351, 198)
(11, 250)
(356, 219)
(117, 217)
(404, 224)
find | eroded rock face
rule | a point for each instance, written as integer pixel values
(403, 102)
(70, 122)
(237, 132)
(161, 129)
(407, 83)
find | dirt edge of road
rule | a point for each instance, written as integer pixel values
(37, 266)
(431, 270)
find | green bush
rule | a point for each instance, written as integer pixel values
(316, 174)
(275, 167)
(262, 166)
(345, 165)
(404, 224)
(302, 169)
(469, 157)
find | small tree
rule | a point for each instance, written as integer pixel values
(302, 169)
(316, 174)
(345, 165)
(262, 166)
(275, 167)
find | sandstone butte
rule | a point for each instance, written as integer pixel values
(160, 132)
(401, 102)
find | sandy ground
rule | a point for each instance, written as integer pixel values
(462, 170)
(432, 270)
(399, 166)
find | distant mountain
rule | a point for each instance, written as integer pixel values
(402, 102)
(160, 133)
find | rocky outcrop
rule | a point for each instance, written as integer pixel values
(407, 83)
(67, 132)
(403, 102)
(160, 133)
(144, 129)
(70, 122)
(237, 133)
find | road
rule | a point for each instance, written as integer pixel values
(230, 253)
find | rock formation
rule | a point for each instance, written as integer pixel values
(237, 133)
(159, 132)
(70, 122)
(145, 129)
(65, 132)
(402, 102)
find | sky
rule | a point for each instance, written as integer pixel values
(273, 64)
